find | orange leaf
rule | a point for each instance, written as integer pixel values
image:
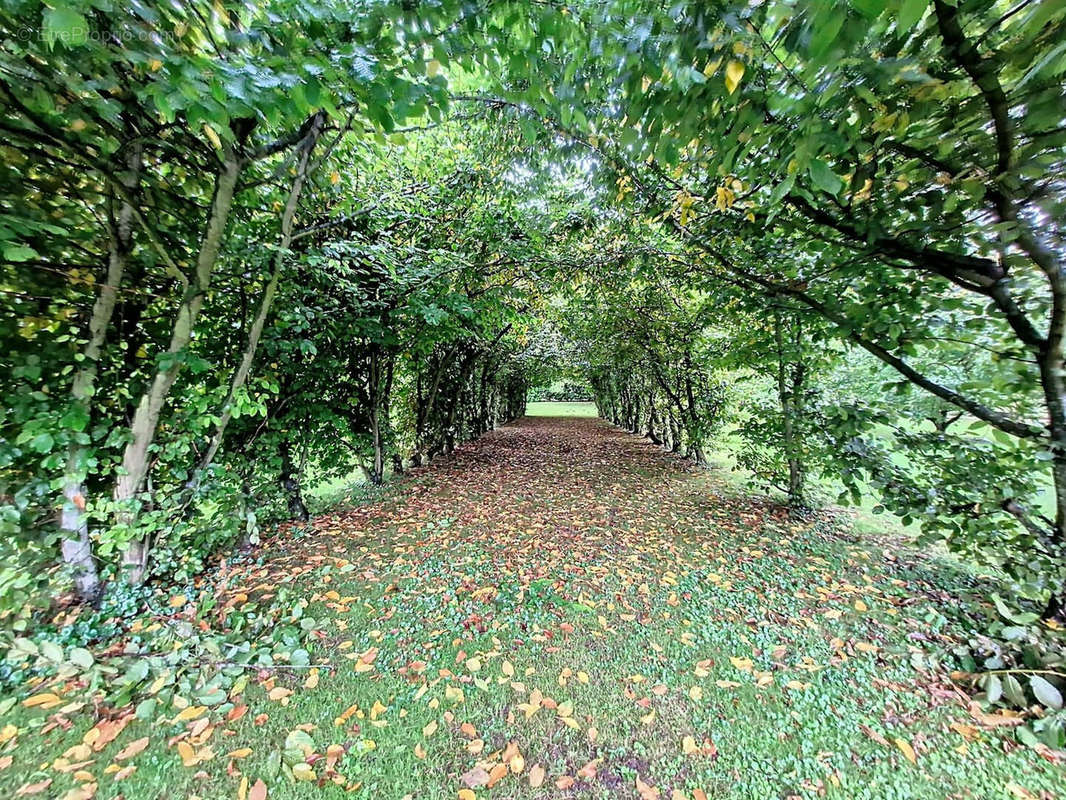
(33, 788)
(132, 749)
(496, 775)
(258, 791)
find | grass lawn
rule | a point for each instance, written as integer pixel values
(551, 409)
(562, 611)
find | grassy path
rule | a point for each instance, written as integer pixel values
(562, 611)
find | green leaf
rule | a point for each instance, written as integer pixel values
(824, 177)
(993, 688)
(76, 418)
(825, 33)
(19, 252)
(42, 443)
(1018, 618)
(910, 12)
(80, 657)
(52, 651)
(64, 25)
(869, 8)
(1013, 691)
(1045, 692)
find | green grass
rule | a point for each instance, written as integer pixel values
(552, 409)
(575, 561)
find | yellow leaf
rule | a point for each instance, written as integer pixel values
(695, 693)
(860, 606)
(565, 709)
(689, 746)
(734, 71)
(44, 699)
(190, 713)
(582, 676)
(507, 668)
(908, 751)
(432, 68)
(517, 764)
(242, 752)
(430, 729)
(473, 664)
(188, 755)
(312, 679)
(303, 772)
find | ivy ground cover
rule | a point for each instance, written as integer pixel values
(560, 610)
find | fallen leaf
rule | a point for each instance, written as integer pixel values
(536, 776)
(908, 751)
(132, 749)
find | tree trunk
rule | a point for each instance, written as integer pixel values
(76, 546)
(788, 397)
(146, 419)
(304, 150)
(652, 419)
(290, 483)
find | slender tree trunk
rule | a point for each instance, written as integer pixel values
(652, 420)
(377, 389)
(788, 397)
(146, 418)
(290, 483)
(76, 546)
(304, 150)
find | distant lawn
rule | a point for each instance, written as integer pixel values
(548, 409)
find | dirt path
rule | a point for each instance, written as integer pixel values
(560, 610)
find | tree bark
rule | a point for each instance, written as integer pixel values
(787, 396)
(76, 546)
(304, 150)
(146, 418)
(290, 483)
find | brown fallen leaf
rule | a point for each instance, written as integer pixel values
(881, 740)
(496, 774)
(33, 788)
(536, 776)
(474, 778)
(132, 749)
(645, 791)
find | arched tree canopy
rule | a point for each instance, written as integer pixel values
(252, 246)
